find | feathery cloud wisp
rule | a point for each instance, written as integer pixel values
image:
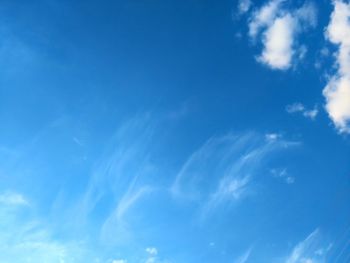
(222, 170)
(243, 258)
(26, 238)
(307, 250)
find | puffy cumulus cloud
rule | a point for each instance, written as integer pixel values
(263, 17)
(300, 108)
(279, 30)
(337, 94)
(337, 90)
(278, 43)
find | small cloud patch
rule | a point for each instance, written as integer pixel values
(300, 108)
(13, 199)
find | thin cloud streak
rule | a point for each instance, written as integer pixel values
(309, 250)
(223, 169)
(117, 170)
(26, 238)
(244, 258)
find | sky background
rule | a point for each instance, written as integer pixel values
(170, 131)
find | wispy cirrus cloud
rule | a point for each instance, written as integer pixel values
(130, 198)
(116, 171)
(244, 257)
(337, 90)
(121, 178)
(310, 250)
(26, 238)
(212, 158)
(222, 171)
(115, 227)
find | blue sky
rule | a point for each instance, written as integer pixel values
(170, 131)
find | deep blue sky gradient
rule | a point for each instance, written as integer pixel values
(100, 101)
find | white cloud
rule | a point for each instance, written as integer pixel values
(244, 6)
(119, 261)
(311, 114)
(129, 199)
(232, 188)
(152, 255)
(223, 170)
(216, 157)
(278, 43)
(119, 181)
(13, 199)
(243, 258)
(307, 250)
(271, 137)
(115, 224)
(263, 17)
(152, 251)
(300, 108)
(295, 107)
(280, 29)
(290, 180)
(307, 15)
(282, 174)
(116, 228)
(25, 238)
(337, 91)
